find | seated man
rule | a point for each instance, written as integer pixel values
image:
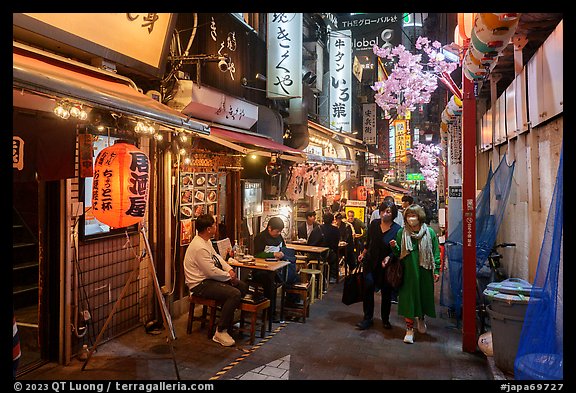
(309, 229)
(269, 244)
(208, 275)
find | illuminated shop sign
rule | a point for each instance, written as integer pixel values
(284, 79)
(369, 123)
(138, 40)
(341, 80)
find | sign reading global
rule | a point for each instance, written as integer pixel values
(384, 30)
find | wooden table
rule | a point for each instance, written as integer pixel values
(320, 252)
(271, 267)
(306, 248)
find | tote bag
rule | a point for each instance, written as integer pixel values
(353, 286)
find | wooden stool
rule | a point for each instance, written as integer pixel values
(206, 303)
(301, 262)
(253, 308)
(302, 289)
(316, 290)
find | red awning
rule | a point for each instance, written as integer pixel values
(260, 142)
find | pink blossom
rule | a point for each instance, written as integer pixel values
(427, 155)
(410, 83)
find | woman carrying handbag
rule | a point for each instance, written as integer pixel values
(376, 251)
(418, 249)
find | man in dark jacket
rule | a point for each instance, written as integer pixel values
(269, 244)
(346, 235)
(330, 238)
(310, 229)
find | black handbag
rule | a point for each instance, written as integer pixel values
(353, 286)
(394, 272)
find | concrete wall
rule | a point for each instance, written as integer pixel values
(537, 156)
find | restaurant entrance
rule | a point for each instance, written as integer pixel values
(35, 266)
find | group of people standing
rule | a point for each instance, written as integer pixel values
(392, 233)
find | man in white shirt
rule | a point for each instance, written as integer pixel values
(208, 275)
(375, 214)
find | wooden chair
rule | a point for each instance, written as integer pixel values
(302, 289)
(212, 304)
(253, 309)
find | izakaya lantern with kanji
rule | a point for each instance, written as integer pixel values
(120, 185)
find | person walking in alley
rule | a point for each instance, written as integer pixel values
(417, 246)
(346, 235)
(377, 250)
(399, 218)
(359, 232)
(330, 237)
(208, 275)
(407, 200)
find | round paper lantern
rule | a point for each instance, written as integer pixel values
(447, 118)
(494, 37)
(498, 21)
(465, 25)
(120, 185)
(454, 106)
(473, 71)
(485, 59)
(362, 193)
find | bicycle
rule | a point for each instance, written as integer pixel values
(483, 279)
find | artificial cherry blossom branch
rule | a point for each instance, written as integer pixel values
(411, 82)
(427, 156)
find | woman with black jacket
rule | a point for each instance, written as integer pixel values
(373, 258)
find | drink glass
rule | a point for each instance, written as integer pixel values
(240, 251)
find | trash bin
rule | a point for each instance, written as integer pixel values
(508, 304)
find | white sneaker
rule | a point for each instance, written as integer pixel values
(409, 337)
(421, 325)
(223, 338)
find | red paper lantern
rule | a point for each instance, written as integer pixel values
(120, 185)
(362, 193)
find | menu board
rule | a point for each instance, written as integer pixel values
(198, 195)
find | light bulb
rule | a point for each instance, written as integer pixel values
(75, 111)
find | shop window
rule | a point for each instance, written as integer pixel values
(90, 227)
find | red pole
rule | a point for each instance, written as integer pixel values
(469, 216)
